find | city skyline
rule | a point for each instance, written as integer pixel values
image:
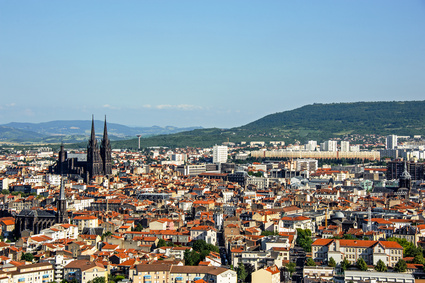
(209, 64)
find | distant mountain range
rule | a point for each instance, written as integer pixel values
(311, 122)
(75, 131)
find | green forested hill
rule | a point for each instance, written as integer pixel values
(316, 121)
(322, 121)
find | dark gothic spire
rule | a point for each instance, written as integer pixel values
(105, 131)
(93, 135)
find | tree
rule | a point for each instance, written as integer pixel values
(201, 245)
(400, 266)
(161, 243)
(98, 280)
(269, 233)
(361, 264)
(380, 266)
(241, 271)
(409, 249)
(191, 257)
(332, 262)
(138, 228)
(349, 237)
(291, 267)
(304, 239)
(310, 262)
(106, 234)
(345, 264)
(27, 257)
(419, 259)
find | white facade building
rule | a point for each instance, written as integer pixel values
(329, 146)
(220, 154)
(345, 146)
(311, 146)
(391, 142)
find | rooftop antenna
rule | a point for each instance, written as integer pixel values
(139, 140)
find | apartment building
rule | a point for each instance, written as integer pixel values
(166, 273)
(34, 273)
(371, 251)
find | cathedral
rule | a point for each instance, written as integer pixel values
(98, 160)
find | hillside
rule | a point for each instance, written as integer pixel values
(317, 121)
(322, 121)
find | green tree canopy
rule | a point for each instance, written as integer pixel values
(332, 262)
(361, 264)
(345, 264)
(161, 243)
(380, 266)
(409, 249)
(27, 257)
(400, 266)
(241, 271)
(310, 262)
(304, 239)
(291, 267)
(98, 280)
(419, 259)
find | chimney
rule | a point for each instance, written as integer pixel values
(337, 247)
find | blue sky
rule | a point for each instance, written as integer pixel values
(204, 63)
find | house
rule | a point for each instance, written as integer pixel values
(206, 233)
(84, 271)
(291, 224)
(269, 274)
(85, 221)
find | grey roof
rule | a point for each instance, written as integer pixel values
(93, 231)
(35, 213)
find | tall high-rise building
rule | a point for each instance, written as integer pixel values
(391, 142)
(345, 146)
(329, 146)
(219, 154)
(311, 146)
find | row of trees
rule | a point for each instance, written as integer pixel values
(361, 264)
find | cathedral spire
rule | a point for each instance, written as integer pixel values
(62, 190)
(105, 131)
(93, 135)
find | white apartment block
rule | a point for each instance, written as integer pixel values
(345, 146)
(220, 154)
(329, 146)
(311, 146)
(391, 142)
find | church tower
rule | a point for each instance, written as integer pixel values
(106, 152)
(405, 180)
(62, 213)
(94, 161)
